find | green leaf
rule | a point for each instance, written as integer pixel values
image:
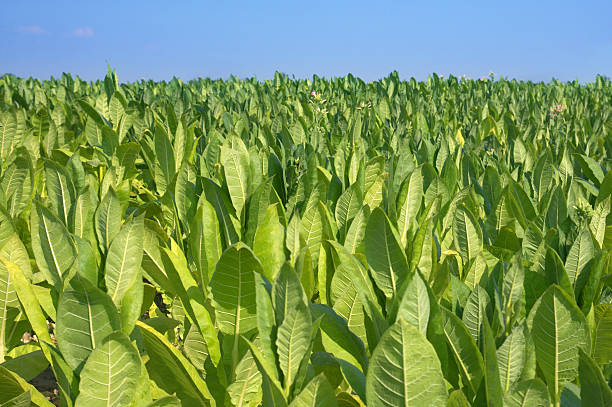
(409, 203)
(265, 324)
(13, 251)
(602, 342)
(28, 365)
(192, 298)
(464, 350)
(528, 393)
(236, 167)
(67, 380)
(86, 316)
(60, 191)
(54, 249)
(164, 153)
(110, 374)
(168, 401)
(347, 207)
(317, 393)
(511, 357)
(292, 342)
(171, 371)
(336, 337)
(491, 382)
(357, 230)
(246, 389)
(555, 271)
(384, 253)
(594, 390)
(205, 241)
(581, 252)
(272, 392)
(269, 243)
(195, 347)
(287, 293)
(108, 219)
(558, 329)
(12, 388)
(404, 370)
(466, 234)
(475, 311)
(311, 229)
(29, 302)
(8, 133)
(131, 304)
(232, 288)
(123, 259)
(598, 221)
(414, 304)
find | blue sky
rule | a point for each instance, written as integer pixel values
(531, 40)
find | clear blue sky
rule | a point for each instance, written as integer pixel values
(534, 40)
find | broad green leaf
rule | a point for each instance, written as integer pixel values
(528, 393)
(53, 247)
(164, 153)
(28, 301)
(312, 230)
(292, 342)
(491, 383)
(12, 388)
(236, 167)
(123, 259)
(232, 288)
(192, 299)
(27, 365)
(347, 207)
(414, 304)
(475, 311)
(272, 392)
(265, 324)
(195, 347)
(384, 253)
(602, 341)
(511, 356)
(110, 374)
(594, 390)
(581, 252)
(409, 203)
(108, 219)
(464, 350)
(14, 251)
(287, 293)
(246, 389)
(60, 191)
(86, 316)
(205, 241)
(598, 221)
(224, 209)
(356, 232)
(559, 330)
(466, 234)
(317, 393)
(404, 370)
(337, 338)
(269, 243)
(171, 371)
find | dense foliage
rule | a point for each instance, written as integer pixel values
(306, 243)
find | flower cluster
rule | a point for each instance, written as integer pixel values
(318, 102)
(364, 105)
(557, 110)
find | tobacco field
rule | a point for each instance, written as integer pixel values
(323, 242)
